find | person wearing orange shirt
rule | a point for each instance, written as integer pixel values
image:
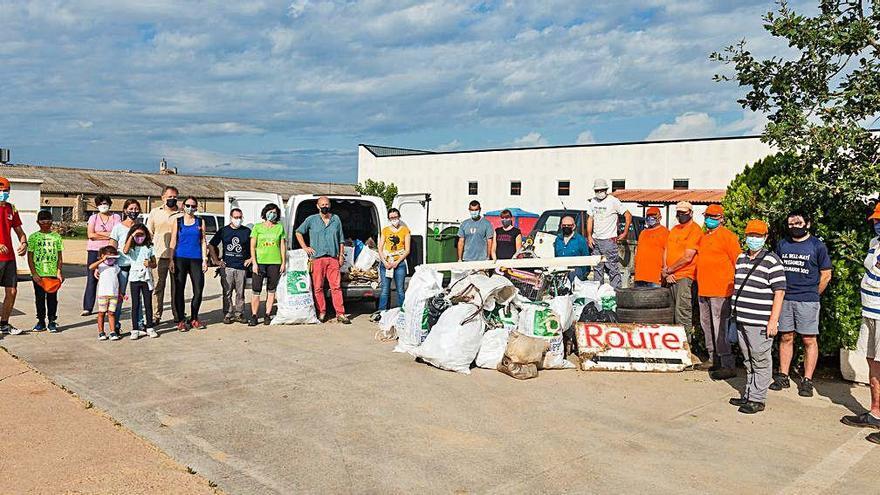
(649, 251)
(716, 265)
(680, 264)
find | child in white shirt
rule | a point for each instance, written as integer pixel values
(107, 273)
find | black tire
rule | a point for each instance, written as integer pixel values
(644, 298)
(653, 315)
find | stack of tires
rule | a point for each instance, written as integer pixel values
(645, 305)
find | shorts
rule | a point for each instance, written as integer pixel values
(8, 274)
(869, 338)
(272, 274)
(799, 316)
(107, 304)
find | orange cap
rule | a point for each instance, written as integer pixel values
(715, 210)
(756, 227)
(50, 284)
(4, 183)
(653, 211)
(876, 214)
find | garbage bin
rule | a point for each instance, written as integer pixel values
(442, 246)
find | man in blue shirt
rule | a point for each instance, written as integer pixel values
(807, 273)
(570, 243)
(475, 236)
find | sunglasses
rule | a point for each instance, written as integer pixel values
(190, 205)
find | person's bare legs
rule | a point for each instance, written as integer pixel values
(255, 305)
(811, 354)
(786, 351)
(270, 301)
(8, 303)
(874, 383)
(101, 322)
(111, 321)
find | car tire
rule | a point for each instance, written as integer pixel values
(651, 316)
(644, 298)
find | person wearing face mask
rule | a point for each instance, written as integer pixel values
(10, 222)
(680, 266)
(570, 243)
(759, 288)
(325, 248)
(508, 239)
(268, 258)
(649, 250)
(100, 226)
(234, 261)
(393, 250)
(602, 235)
(162, 222)
(45, 261)
(475, 235)
(807, 274)
(138, 247)
(190, 260)
(130, 211)
(718, 250)
(105, 271)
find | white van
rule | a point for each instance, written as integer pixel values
(363, 218)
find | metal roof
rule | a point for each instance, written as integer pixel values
(64, 180)
(671, 196)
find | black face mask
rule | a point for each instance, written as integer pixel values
(566, 231)
(683, 217)
(171, 202)
(132, 215)
(797, 232)
(325, 210)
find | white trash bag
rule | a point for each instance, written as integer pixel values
(296, 303)
(586, 289)
(563, 306)
(537, 319)
(412, 321)
(554, 358)
(366, 259)
(453, 343)
(494, 290)
(492, 347)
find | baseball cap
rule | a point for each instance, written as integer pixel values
(684, 206)
(715, 210)
(600, 184)
(758, 227)
(653, 211)
(4, 183)
(876, 214)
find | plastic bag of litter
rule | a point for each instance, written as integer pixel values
(366, 259)
(608, 297)
(413, 320)
(494, 290)
(503, 317)
(492, 347)
(563, 306)
(296, 303)
(554, 358)
(586, 289)
(455, 340)
(537, 319)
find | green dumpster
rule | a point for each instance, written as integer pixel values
(442, 245)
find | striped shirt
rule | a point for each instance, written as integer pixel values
(871, 282)
(755, 302)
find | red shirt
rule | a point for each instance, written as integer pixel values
(9, 220)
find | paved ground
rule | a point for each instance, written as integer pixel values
(329, 409)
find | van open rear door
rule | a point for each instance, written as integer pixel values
(251, 204)
(414, 208)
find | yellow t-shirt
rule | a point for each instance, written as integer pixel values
(392, 242)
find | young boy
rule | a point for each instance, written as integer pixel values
(106, 271)
(45, 262)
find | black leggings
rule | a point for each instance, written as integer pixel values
(140, 291)
(193, 268)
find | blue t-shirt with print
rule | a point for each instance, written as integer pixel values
(236, 245)
(803, 261)
(475, 234)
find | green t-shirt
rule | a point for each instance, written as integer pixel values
(268, 243)
(45, 249)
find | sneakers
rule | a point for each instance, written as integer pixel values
(134, 335)
(873, 438)
(252, 322)
(780, 382)
(39, 327)
(85, 312)
(706, 366)
(241, 319)
(152, 333)
(227, 320)
(53, 327)
(738, 401)
(114, 336)
(322, 317)
(11, 330)
(102, 336)
(377, 317)
(723, 374)
(197, 325)
(865, 420)
(805, 388)
(182, 327)
(343, 319)
(751, 407)
(267, 320)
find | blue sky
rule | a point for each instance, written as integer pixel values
(265, 88)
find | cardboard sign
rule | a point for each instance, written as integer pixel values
(632, 347)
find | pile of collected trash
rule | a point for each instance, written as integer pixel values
(486, 319)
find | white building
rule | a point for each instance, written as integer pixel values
(537, 179)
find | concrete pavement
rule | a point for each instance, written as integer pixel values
(329, 409)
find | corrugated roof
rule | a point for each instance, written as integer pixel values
(671, 196)
(64, 180)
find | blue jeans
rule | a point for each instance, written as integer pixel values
(399, 281)
(123, 288)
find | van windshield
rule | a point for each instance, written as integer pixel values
(360, 220)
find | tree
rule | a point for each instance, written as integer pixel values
(820, 103)
(371, 187)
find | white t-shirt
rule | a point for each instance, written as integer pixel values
(120, 235)
(604, 214)
(108, 280)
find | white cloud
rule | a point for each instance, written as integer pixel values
(83, 124)
(190, 160)
(686, 126)
(531, 139)
(453, 145)
(219, 128)
(585, 137)
(750, 123)
(297, 8)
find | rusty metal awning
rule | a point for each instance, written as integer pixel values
(670, 196)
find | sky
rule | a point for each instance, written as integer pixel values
(288, 89)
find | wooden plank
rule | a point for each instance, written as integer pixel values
(570, 262)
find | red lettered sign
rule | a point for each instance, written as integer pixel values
(632, 347)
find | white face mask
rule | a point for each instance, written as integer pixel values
(395, 222)
(600, 195)
(103, 208)
(236, 222)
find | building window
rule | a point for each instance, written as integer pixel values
(680, 183)
(618, 184)
(61, 213)
(564, 188)
(472, 188)
(515, 188)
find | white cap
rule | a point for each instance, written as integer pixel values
(600, 184)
